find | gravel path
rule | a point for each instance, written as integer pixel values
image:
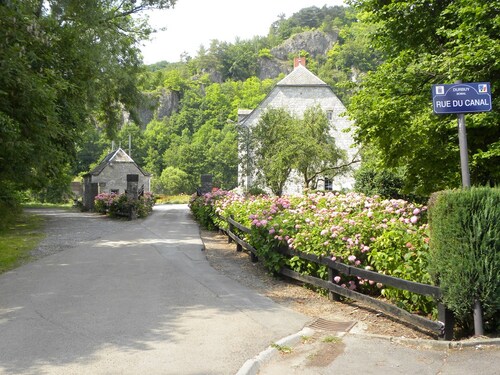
(66, 229)
(237, 265)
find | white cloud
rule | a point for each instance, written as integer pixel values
(192, 23)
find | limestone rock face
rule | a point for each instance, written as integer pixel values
(315, 42)
(162, 105)
(168, 102)
(271, 68)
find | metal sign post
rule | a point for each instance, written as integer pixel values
(464, 155)
(461, 98)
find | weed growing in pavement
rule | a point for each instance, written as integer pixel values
(331, 339)
(283, 349)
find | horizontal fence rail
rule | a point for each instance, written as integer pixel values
(411, 286)
(443, 327)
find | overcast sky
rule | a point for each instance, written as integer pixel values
(192, 23)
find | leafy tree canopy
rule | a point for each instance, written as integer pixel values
(275, 143)
(429, 42)
(283, 142)
(64, 64)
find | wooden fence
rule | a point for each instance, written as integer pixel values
(443, 327)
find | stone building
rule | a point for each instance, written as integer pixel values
(298, 91)
(116, 173)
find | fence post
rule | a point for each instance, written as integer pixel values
(331, 274)
(446, 317)
(132, 215)
(229, 239)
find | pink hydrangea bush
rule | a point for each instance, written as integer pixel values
(388, 236)
(103, 201)
(113, 204)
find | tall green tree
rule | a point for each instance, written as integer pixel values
(138, 149)
(318, 154)
(275, 143)
(64, 65)
(428, 42)
(157, 140)
(351, 58)
(282, 143)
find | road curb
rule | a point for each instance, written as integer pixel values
(434, 344)
(252, 366)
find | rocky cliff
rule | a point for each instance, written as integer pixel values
(314, 42)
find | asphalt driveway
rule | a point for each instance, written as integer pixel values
(118, 297)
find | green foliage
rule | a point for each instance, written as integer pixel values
(384, 236)
(172, 181)
(408, 260)
(307, 19)
(138, 145)
(266, 249)
(144, 205)
(255, 191)
(318, 155)
(58, 189)
(275, 142)
(265, 53)
(465, 251)
(9, 204)
(427, 43)
(65, 65)
(172, 199)
(385, 183)
(18, 237)
(283, 142)
(157, 140)
(174, 80)
(89, 150)
(202, 208)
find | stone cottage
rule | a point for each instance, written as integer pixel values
(298, 91)
(116, 173)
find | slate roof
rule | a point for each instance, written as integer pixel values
(301, 76)
(117, 156)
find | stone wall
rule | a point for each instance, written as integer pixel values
(114, 177)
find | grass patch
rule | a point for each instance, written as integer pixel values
(172, 199)
(63, 206)
(331, 339)
(306, 339)
(18, 239)
(283, 349)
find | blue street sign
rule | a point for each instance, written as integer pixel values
(461, 98)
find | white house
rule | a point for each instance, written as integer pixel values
(298, 91)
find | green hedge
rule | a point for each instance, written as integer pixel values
(465, 252)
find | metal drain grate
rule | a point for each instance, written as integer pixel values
(330, 325)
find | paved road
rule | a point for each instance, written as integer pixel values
(137, 298)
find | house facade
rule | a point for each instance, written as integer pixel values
(116, 173)
(297, 92)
